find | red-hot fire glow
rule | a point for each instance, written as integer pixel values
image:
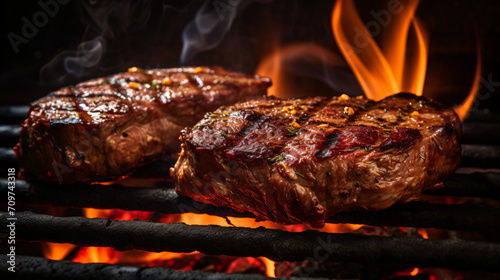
(178, 261)
(56, 251)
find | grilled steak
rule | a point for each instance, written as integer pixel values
(301, 161)
(103, 129)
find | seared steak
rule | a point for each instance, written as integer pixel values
(301, 161)
(103, 129)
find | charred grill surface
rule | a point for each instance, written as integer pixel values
(164, 200)
(102, 129)
(298, 161)
(276, 245)
(37, 268)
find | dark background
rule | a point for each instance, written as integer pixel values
(149, 34)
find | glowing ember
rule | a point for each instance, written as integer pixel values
(56, 251)
(414, 272)
(422, 232)
(269, 267)
(109, 255)
(178, 261)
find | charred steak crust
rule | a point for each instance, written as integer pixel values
(301, 161)
(102, 129)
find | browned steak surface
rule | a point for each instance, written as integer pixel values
(103, 129)
(300, 161)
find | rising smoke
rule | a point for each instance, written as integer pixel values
(211, 24)
(108, 21)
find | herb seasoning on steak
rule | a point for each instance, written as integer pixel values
(102, 129)
(301, 161)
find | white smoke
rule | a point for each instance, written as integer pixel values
(67, 65)
(108, 22)
(87, 56)
(314, 61)
(210, 25)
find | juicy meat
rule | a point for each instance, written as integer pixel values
(301, 161)
(102, 129)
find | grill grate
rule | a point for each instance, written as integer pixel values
(166, 201)
(47, 269)
(478, 152)
(235, 241)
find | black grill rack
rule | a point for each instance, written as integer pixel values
(480, 179)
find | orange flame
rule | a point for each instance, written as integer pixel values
(109, 255)
(464, 108)
(269, 266)
(56, 251)
(138, 257)
(397, 63)
(422, 232)
(414, 272)
(389, 69)
(271, 67)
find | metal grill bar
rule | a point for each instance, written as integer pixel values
(276, 245)
(40, 268)
(481, 133)
(162, 200)
(157, 169)
(481, 156)
(477, 184)
(416, 214)
(9, 135)
(424, 215)
(8, 158)
(13, 114)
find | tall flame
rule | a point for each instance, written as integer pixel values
(388, 55)
(389, 68)
(465, 106)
